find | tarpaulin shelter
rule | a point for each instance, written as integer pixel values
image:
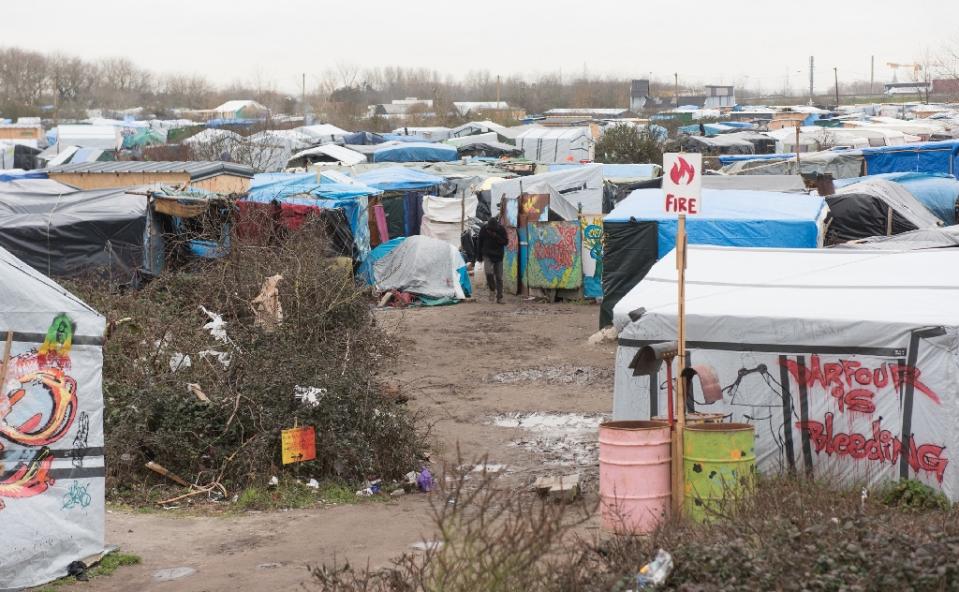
(550, 144)
(323, 132)
(446, 218)
(926, 157)
(423, 266)
(939, 193)
(487, 149)
(106, 231)
(616, 173)
(412, 152)
(105, 137)
(403, 198)
(716, 145)
(875, 207)
(568, 189)
(638, 232)
(51, 431)
(332, 154)
(843, 360)
(914, 240)
(841, 164)
(301, 195)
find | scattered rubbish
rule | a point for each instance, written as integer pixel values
(223, 358)
(273, 482)
(179, 360)
(485, 468)
(173, 573)
(161, 470)
(604, 335)
(561, 438)
(411, 478)
(398, 492)
(78, 570)
(427, 546)
(555, 375)
(424, 480)
(373, 488)
(309, 395)
(195, 389)
(272, 565)
(216, 326)
(564, 488)
(655, 572)
(266, 306)
(313, 484)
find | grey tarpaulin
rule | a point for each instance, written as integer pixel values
(421, 265)
(79, 232)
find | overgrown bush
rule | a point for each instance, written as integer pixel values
(792, 534)
(625, 143)
(226, 428)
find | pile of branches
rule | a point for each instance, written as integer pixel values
(196, 381)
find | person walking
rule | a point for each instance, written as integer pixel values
(491, 246)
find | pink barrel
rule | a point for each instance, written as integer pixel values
(634, 475)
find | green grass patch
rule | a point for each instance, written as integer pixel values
(107, 566)
(292, 495)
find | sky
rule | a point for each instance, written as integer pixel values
(273, 42)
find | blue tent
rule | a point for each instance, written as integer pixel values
(927, 157)
(7, 176)
(730, 218)
(938, 193)
(731, 158)
(415, 152)
(399, 179)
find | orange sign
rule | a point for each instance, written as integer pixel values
(299, 444)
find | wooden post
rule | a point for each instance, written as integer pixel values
(677, 444)
(462, 211)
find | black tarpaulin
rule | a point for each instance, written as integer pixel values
(99, 232)
(630, 251)
(853, 216)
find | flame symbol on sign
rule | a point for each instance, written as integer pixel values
(682, 170)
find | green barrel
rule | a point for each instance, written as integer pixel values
(719, 460)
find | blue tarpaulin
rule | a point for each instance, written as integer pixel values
(8, 176)
(937, 192)
(399, 179)
(936, 158)
(415, 152)
(731, 218)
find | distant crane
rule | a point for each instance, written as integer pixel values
(916, 69)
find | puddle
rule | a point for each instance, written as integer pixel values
(560, 438)
(555, 375)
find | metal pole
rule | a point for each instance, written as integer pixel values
(835, 72)
(304, 99)
(872, 74)
(676, 87)
(811, 71)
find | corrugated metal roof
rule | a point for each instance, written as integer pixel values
(197, 170)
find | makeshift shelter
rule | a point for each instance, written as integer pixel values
(875, 207)
(107, 231)
(409, 152)
(327, 154)
(928, 157)
(51, 432)
(914, 240)
(423, 266)
(843, 360)
(18, 156)
(323, 132)
(214, 176)
(550, 144)
(841, 164)
(487, 149)
(939, 193)
(716, 145)
(568, 190)
(638, 232)
(446, 218)
(105, 137)
(428, 133)
(402, 200)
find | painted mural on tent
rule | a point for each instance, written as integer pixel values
(38, 405)
(592, 229)
(533, 208)
(555, 255)
(875, 416)
(511, 263)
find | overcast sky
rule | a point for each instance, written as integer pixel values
(704, 41)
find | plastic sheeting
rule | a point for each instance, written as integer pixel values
(928, 157)
(840, 164)
(915, 240)
(557, 144)
(939, 193)
(54, 515)
(399, 179)
(835, 356)
(909, 213)
(631, 249)
(732, 218)
(449, 209)
(567, 188)
(421, 265)
(413, 152)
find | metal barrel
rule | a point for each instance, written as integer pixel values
(634, 475)
(719, 461)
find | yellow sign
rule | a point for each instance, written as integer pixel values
(299, 444)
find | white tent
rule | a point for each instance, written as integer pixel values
(551, 144)
(105, 137)
(51, 429)
(421, 265)
(323, 132)
(568, 189)
(325, 155)
(835, 356)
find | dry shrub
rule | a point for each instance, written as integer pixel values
(328, 340)
(792, 534)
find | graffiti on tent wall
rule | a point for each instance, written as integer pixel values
(841, 407)
(555, 255)
(37, 380)
(511, 262)
(592, 229)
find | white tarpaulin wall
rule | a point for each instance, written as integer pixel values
(832, 355)
(568, 190)
(51, 429)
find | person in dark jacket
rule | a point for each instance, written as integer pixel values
(491, 246)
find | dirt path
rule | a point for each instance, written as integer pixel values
(515, 382)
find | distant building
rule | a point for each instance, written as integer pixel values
(241, 109)
(907, 88)
(946, 86)
(400, 108)
(639, 95)
(218, 177)
(29, 133)
(718, 97)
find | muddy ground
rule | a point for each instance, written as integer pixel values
(517, 383)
